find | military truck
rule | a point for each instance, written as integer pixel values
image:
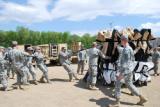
(51, 52)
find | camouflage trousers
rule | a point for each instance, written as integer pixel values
(92, 77)
(70, 71)
(3, 80)
(156, 67)
(22, 74)
(32, 71)
(129, 83)
(3, 74)
(81, 65)
(10, 70)
(44, 69)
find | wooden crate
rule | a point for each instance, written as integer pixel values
(74, 59)
(76, 46)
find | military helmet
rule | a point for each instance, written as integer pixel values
(1, 47)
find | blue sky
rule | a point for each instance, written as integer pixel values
(84, 16)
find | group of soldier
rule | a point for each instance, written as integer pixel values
(20, 63)
(124, 63)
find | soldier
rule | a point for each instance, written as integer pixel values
(155, 60)
(82, 56)
(93, 53)
(64, 60)
(9, 65)
(126, 59)
(3, 72)
(17, 60)
(30, 66)
(41, 65)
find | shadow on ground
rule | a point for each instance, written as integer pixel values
(59, 80)
(106, 90)
(105, 102)
(81, 84)
(102, 102)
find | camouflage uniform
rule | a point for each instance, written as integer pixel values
(93, 53)
(81, 60)
(31, 68)
(64, 60)
(3, 72)
(17, 61)
(9, 66)
(125, 62)
(155, 60)
(41, 65)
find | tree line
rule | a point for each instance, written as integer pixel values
(26, 36)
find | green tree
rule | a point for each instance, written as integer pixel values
(25, 36)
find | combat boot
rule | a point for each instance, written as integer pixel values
(35, 82)
(93, 87)
(70, 77)
(71, 80)
(77, 78)
(21, 88)
(15, 86)
(47, 79)
(142, 100)
(88, 86)
(131, 94)
(4, 88)
(116, 104)
(12, 76)
(49, 82)
(42, 79)
(24, 88)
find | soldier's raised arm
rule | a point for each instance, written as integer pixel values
(103, 55)
(25, 53)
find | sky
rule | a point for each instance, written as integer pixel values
(80, 16)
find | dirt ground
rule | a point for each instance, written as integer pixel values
(62, 93)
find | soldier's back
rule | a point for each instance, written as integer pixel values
(16, 56)
(93, 56)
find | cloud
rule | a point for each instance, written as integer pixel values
(82, 32)
(33, 11)
(78, 10)
(95, 31)
(90, 9)
(75, 10)
(155, 27)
